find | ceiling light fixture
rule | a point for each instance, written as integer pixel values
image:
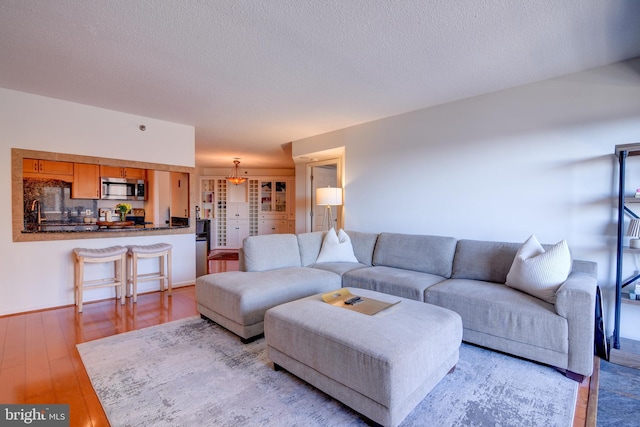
(235, 177)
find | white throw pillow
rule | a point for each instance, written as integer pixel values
(336, 248)
(540, 273)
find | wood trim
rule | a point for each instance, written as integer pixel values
(17, 196)
(592, 403)
(51, 369)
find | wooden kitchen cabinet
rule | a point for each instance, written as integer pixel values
(86, 181)
(49, 169)
(133, 173)
(118, 172)
(179, 194)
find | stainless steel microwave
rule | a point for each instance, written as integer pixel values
(123, 189)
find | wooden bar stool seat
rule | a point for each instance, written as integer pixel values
(160, 250)
(82, 256)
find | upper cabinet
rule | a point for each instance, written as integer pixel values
(86, 181)
(179, 194)
(207, 195)
(237, 193)
(262, 205)
(119, 172)
(273, 197)
(34, 168)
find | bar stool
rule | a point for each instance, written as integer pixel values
(115, 254)
(160, 250)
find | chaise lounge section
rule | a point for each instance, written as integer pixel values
(238, 300)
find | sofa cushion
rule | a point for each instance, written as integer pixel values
(309, 245)
(497, 310)
(271, 251)
(428, 254)
(363, 245)
(336, 247)
(338, 267)
(389, 280)
(483, 260)
(538, 272)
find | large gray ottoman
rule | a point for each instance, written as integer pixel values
(382, 365)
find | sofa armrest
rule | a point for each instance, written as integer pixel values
(588, 267)
(575, 301)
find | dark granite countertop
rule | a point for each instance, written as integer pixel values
(88, 227)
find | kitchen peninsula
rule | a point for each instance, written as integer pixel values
(76, 228)
(47, 204)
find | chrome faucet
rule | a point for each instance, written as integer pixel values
(35, 206)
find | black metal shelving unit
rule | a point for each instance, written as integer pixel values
(623, 152)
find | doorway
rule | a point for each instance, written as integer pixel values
(322, 174)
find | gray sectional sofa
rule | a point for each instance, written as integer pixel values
(465, 276)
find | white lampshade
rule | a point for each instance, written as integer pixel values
(329, 196)
(634, 228)
(634, 232)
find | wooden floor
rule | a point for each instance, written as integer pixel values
(39, 362)
(627, 355)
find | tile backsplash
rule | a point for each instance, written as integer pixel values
(55, 201)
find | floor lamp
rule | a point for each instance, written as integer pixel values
(328, 196)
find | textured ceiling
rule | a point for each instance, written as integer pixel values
(253, 75)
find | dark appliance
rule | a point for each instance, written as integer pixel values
(203, 232)
(123, 189)
(179, 221)
(137, 216)
(203, 236)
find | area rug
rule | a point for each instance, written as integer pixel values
(618, 396)
(193, 372)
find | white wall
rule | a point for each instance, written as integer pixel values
(40, 274)
(537, 159)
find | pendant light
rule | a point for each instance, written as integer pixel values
(235, 177)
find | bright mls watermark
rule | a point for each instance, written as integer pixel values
(34, 415)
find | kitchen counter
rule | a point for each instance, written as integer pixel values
(71, 231)
(83, 228)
